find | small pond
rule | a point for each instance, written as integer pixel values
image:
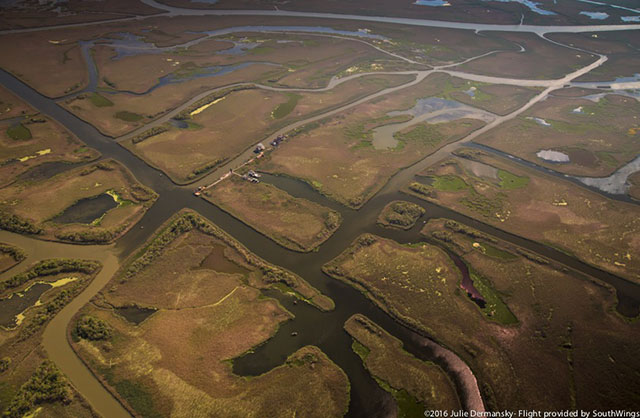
(135, 314)
(13, 307)
(15, 304)
(87, 210)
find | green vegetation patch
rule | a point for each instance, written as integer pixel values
(510, 181)
(99, 100)
(449, 183)
(284, 109)
(138, 398)
(465, 230)
(495, 252)
(19, 132)
(422, 189)
(128, 116)
(260, 50)
(607, 158)
(483, 205)
(204, 169)
(46, 385)
(361, 350)
(424, 134)
(193, 126)
(495, 309)
(408, 406)
(412, 382)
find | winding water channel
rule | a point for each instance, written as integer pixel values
(323, 329)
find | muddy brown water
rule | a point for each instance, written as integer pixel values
(313, 327)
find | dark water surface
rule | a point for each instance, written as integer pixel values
(87, 210)
(17, 303)
(135, 314)
(46, 170)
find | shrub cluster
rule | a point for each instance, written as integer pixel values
(402, 214)
(332, 220)
(422, 189)
(461, 229)
(203, 169)
(156, 130)
(92, 328)
(16, 253)
(4, 364)
(14, 223)
(51, 267)
(46, 385)
(90, 236)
